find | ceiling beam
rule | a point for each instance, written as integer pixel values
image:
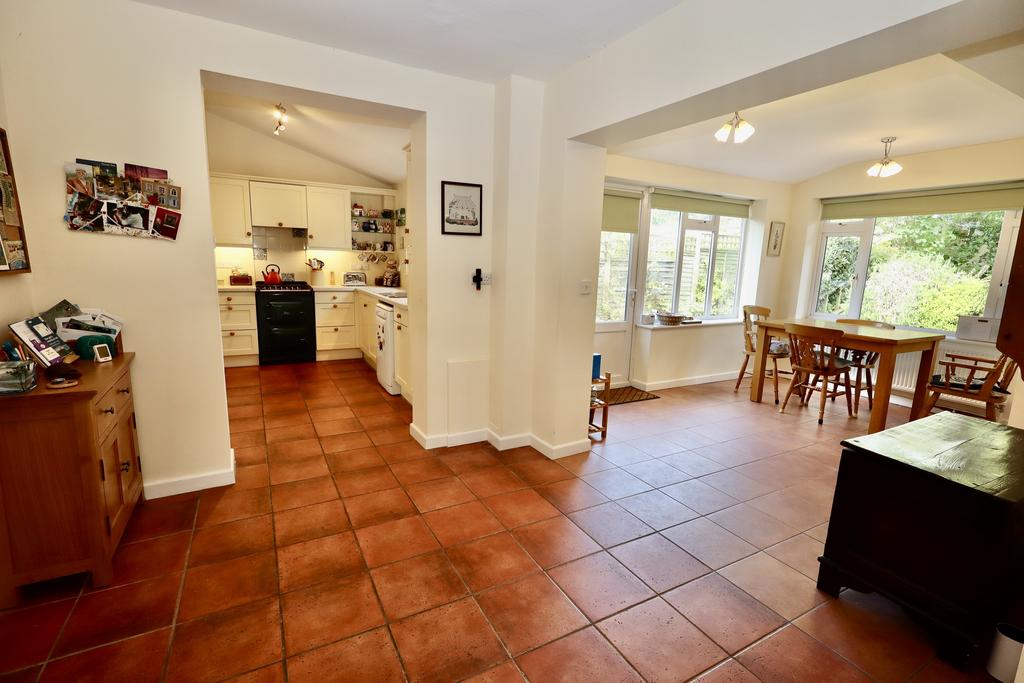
(951, 28)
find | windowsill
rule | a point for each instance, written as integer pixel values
(705, 323)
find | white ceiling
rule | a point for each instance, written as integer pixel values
(479, 39)
(929, 104)
(363, 136)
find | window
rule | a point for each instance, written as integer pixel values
(919, 271)
(693, 264)
(613, 276)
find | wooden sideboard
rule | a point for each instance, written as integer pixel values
(931, 514)
(70, 476)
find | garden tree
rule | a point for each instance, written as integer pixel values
(839, 267)
(967, 241)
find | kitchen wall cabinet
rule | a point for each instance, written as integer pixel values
(403, 354)
(278, 205)
(328, 210)
(70, 477)
(229, 210)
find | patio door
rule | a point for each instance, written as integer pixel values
(616, 299)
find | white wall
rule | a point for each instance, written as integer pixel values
(234, 148)
(55, 114)
(992, 162)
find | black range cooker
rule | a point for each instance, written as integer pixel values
(286, 322)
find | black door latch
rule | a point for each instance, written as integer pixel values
(478, 278)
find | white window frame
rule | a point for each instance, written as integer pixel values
(686, 223)
(864, 228)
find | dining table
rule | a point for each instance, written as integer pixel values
(886, 343)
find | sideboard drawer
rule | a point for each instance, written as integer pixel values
(105, 410)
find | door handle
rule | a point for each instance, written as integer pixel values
(125, 466)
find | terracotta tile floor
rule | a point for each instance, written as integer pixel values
(683, 547)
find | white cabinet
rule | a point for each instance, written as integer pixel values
(237, 317)
(329, 212)
(336, 320)
(402, 355)
(238, 326)
(366, 312)
(229, 210)
(240, 342)
(334, 314)
(278, 205)
(334, 338)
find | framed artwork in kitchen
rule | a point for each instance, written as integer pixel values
(462, 208)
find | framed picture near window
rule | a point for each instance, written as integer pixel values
(775, 233)
(462, 208)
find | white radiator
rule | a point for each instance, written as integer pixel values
(907, 364)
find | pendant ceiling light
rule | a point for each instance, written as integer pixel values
(736, 127)
(886, 167)
(281, 116)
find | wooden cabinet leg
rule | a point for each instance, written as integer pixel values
(102, 573)
(829, 580)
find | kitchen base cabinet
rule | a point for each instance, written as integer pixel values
(238, 328)
(366, 312)
(402, 358)
(70, 477)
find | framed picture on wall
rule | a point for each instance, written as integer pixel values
(775, 238)
(462, 209)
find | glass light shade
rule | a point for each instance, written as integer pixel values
(277, 131)
(884, 169)
(723, 133)
(277, 114)
(890, 168)
(743, 132)
(284, 118)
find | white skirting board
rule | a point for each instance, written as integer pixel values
(207, 480)
(683, 381)
(502, 443)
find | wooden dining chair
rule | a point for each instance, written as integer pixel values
(864, 362)
(971, 377)
(778, 348)
(814, 355)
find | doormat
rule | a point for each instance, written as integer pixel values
(629, 395)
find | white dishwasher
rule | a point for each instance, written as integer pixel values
(386, 349)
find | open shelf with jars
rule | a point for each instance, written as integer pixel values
(374, 217)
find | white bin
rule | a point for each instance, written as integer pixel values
(1006, 653)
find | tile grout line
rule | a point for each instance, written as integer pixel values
(181, 592)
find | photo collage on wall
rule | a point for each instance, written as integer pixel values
(139, 201)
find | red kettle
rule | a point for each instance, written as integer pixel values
(272, 275)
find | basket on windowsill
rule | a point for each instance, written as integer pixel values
(666, 318)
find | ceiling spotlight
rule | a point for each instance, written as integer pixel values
(886, 167)
(737, 128)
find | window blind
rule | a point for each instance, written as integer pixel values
(621, 211)
(924, 202)
(695, 202)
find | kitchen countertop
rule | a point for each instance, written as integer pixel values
(381, 293)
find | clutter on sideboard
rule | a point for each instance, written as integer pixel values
(54, 339)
